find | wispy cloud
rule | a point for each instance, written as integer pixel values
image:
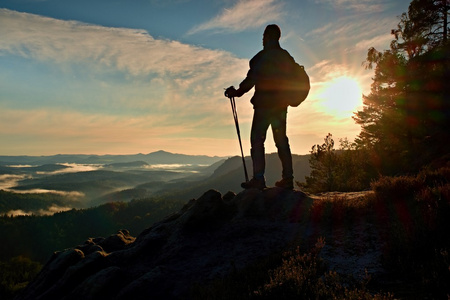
(175, 87)
(378, 42)
(243, 15)
(352, 30)
(326, 70)
(130, 50)
(357, 5)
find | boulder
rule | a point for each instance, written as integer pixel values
(208, 238)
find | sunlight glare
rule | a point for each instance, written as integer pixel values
(342, 96)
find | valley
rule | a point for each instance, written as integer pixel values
(77, 181)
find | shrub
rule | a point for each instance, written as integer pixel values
(15, 275)
(304, 276)
(414, 217)
(291, 275)
(344, 170)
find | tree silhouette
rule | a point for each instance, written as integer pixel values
(405, 118)
(423, 28)
(323, 164)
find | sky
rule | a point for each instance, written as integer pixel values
(138, 76)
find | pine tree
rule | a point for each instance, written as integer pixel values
(323, 162)
(405, 118)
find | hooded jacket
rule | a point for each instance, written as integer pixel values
(269, 71)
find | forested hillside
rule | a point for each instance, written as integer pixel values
(37, 237)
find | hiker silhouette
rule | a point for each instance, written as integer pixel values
(270, 107)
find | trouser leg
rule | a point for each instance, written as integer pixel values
(282, 144)
(259, 162)
(284, 153)
(260, 125)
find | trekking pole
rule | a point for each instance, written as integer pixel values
(236, 122)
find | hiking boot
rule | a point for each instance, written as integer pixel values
(285, 183)
(254, 183)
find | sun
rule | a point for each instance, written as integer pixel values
(341, 96)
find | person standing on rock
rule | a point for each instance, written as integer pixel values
(270, 109)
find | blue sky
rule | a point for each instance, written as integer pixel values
(124, 77)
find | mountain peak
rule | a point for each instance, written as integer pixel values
(161, 152)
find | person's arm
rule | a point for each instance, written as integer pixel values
(247, 84)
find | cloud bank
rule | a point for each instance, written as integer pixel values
(73, 168)
(41, 212)
(10, 180)
(130, 50)
(168, 89)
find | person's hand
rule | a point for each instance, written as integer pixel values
(231, 92)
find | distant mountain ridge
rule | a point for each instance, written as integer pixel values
(124, 181)
(158, 157)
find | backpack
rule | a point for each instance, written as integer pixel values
(297, 88)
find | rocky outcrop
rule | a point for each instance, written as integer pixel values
(208, 238)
